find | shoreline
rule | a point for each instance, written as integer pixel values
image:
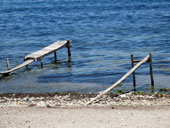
(56, 100)
(65, 110)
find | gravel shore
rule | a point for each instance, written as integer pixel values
(75, 99)
(67, 110)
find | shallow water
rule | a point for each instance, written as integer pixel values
(104, 33)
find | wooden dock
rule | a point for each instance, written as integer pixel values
(38, 56)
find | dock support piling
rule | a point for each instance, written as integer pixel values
(134, 78)
(69, 50)
(26, 65)
(55, 56)
(41, 61)
(7, 62)
(151, 71)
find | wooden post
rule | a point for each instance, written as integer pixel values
(120, 80)
(68, 50)
(7, 62)
(26, 65)
(41, 61)
(151, 71)
(55, 56)
(134, 78)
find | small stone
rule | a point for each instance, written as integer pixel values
(32, 99)
(123, 96)
(26, 99)
(41, 104)
(14, 104)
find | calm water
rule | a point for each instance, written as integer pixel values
(103, 32)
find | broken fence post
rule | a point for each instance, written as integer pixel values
(120, 80)
(134, 78)
(7, 62)
(69, 50)
(151, 71)
(55, 56)
(26, 65)
(41, 61)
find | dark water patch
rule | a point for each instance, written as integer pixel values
(93, 77)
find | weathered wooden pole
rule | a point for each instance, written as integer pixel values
(55, 56)
(134, 78)
(41, 61)
(69, 50)
(26, 65)
(7, 62)
(151, 71)
(120, 80)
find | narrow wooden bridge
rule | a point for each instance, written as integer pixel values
(38, 56)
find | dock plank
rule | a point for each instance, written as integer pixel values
(25, 63)
(39, 54)
(47, 50)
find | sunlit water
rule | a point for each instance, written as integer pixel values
(103, 32)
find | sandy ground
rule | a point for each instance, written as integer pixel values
(85, 117)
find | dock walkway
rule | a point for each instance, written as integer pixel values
(37, 56)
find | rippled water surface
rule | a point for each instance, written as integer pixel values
(103, 32)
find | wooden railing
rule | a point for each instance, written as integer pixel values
(148, 58)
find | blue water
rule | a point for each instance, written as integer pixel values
(103, 32)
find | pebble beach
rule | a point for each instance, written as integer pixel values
(76, 99)
(68, 110)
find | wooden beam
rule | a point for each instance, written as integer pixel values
(26, 65)
(41, 61)
(151, 71)
(55, 56)
(134, 78)
(18, 67)
(137, 61)
(68, 50)
(120, 80)
(7, 63)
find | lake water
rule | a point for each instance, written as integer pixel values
(103, 32)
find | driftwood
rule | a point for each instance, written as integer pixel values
(120, 80)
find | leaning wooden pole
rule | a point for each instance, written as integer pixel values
(120, 80)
